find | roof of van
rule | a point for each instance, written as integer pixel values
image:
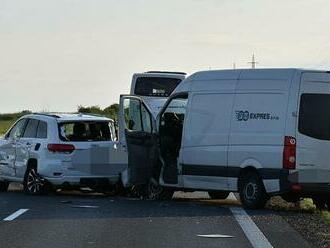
(269, 73)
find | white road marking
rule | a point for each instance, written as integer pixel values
(215, 236)
(252, 232)
(15, 215)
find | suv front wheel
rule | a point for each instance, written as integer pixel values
(33, 183)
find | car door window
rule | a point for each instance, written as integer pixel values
(137, 117)
(31, 129)
(132, 113)
(146, 119)
(42, 130)
(18, 129)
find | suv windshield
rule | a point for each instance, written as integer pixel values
(86, 131)
(155, 86)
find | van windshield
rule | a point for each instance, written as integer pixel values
(314, 116)
(86, 131)
(155, 86)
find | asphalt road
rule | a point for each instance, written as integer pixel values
(91, 220)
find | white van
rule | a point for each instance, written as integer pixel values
(155, 87)
(261, 132)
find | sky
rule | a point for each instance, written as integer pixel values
(58, 54)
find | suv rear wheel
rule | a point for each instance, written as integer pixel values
(4, 186)
(33, 183)
(252, 191)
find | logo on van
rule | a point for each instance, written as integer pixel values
(242, 115)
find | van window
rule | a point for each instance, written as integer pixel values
(137, 117)
(314, 116)
(132, 113)
(85, 131)
(155, 86)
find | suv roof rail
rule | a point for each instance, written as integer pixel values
(168, 72)
(91, 114)
(47, 114)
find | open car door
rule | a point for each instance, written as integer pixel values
(137, 133)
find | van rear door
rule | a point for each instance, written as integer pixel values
(313, 135)
(136, 130)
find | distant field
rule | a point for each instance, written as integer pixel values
(6, 120)
(4, 125)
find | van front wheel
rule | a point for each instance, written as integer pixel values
(252, 191)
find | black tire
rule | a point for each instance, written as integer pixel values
(4, 186)
(33, 183)
(218, 194)
(252, 191)
(320, 203)
(158, 192)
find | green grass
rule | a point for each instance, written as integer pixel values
(326, 216)
(4, 126)
(6, 120)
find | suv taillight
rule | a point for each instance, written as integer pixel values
(289, 153)
(63, 148)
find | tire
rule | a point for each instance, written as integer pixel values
(158, 192)
(33, 183)
(252, 191)
(218, 194)
(4, 186)
(320, 203)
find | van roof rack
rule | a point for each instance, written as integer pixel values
(168, 72)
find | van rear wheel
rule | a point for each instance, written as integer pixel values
(252, 191)
(4, 186)
(218, 194)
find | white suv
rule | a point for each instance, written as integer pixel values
(61, 150)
